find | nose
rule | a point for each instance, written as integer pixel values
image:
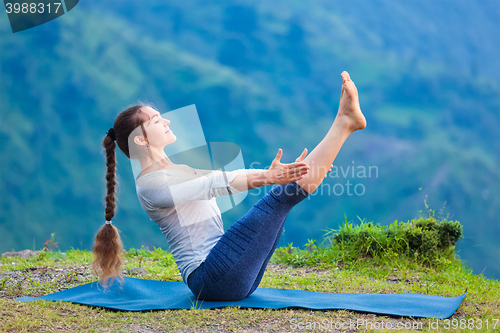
(167, 122)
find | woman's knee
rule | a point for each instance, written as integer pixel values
(289, 194)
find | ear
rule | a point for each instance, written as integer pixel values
(139, 140)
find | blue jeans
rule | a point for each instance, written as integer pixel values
(234, 267)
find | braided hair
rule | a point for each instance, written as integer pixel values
(108, 247)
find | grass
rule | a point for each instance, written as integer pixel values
(340, 266)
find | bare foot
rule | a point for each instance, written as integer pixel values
(349, 109)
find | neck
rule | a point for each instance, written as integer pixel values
(157, 160)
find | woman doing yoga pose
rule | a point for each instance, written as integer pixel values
(216, 265)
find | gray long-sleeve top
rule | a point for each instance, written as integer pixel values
(183, 205)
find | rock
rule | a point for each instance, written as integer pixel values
(40, 270)
(137, 271)
(23, 254)
(392, 279)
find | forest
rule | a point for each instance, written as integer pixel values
(263, 75)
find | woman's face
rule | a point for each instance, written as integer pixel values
(157, 131)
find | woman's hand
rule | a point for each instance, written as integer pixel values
(281, 174)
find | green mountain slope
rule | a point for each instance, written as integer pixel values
(264, 77)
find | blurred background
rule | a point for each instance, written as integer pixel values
(263, 75)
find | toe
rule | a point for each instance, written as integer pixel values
(348, 87)
(345, 76)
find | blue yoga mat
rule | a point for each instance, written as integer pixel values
(139, 295)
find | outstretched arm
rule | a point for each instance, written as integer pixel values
(168, 190)
(278, 173)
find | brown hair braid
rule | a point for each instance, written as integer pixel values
(108, 246)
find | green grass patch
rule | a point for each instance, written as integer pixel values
(425, 241)
(416, 256)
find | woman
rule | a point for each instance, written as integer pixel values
(216, 266)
